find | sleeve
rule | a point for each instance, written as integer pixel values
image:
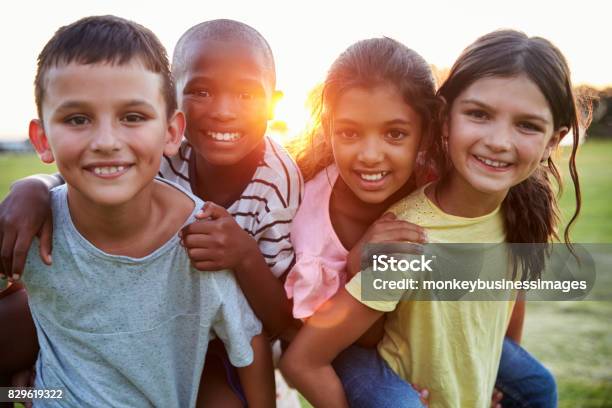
(354, 288)
(273, 238)
(235, 323)
(310, 283)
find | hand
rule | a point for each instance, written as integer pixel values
(423, 394)
(215, 241)
(386, 229)
(24, 378)
(24, 213)
(496, 398)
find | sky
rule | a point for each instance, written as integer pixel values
(306, 36)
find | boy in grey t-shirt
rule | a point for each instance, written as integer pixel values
(121, 317)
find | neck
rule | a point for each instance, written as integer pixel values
(114, 229)
(224, 184)
(345, 202)
(455, 196)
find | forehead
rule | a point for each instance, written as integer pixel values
(517, 95)
(102, 82)
(379, 104)
(226, 61)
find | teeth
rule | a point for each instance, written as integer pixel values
(108, 170)
(373, 177)
(224, 137)
(492, 163)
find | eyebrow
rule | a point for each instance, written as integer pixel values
(68, 105)
(401, 122)
(483, 105)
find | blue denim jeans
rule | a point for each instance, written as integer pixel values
(370, 383)
(524, 381)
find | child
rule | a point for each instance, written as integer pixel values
(121, 317)
(225, 82)
(505, 115)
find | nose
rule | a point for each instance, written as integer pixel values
(371, 151)
(500, 139)
(105, 138)
(223, 108)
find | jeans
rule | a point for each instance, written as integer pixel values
(370, 383)
(524, 381)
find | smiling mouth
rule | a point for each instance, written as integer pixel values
(492, 163)
(108, 171)
(372, 177)
(224, 136)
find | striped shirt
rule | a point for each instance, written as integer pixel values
(265, 208)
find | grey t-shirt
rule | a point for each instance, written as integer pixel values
(124, 332)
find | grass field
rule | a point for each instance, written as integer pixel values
(573, 339)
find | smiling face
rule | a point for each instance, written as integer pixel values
(499, 130)
(226, 94)
(106, 127)
(375, 140)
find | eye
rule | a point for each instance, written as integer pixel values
(529, 126)
(478, 114)
(201, 93)
(247, 96)
(396, 135)
(77, 120)
(133, 118)
(346, 134)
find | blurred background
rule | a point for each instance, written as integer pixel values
(573, 339)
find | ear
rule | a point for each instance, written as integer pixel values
(554, 142)
(276, 97)
(38, 138)
(174, 133)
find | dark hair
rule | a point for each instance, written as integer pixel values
(530, 208)
(223, 30)
(105, 39)
(367, 63)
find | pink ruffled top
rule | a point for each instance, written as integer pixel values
(319, 271)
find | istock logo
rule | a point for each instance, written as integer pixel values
(383, 263)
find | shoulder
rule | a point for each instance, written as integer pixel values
(280, 174)
(176, 168)
(411, 206)
(175, 200)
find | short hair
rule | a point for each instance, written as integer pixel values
(223, 30)
(105, 39)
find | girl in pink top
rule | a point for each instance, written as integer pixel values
(376, 112)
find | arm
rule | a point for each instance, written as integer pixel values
(257, 379)
(217, 242)
(334, 327)
(25, 212)
(515, 326)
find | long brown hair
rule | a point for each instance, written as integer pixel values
(367, 63)
(530, 208)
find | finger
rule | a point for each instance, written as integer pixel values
(424, 397)
(397, 232)
(202, 227)
(400, 235)
(207, 266)
(198, 241)
(203, 255)
(20, 252)
(388, 216)
(46, 241)
(212, 211)
(6, 252)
